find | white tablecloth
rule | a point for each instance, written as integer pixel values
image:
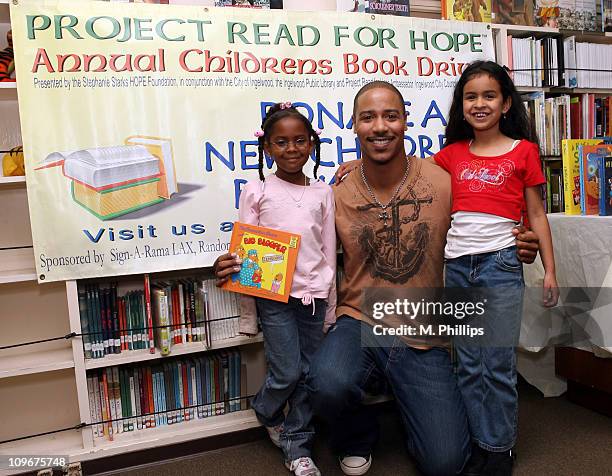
(583, 257)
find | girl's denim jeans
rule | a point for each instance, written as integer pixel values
(486, 371)
(292, 334)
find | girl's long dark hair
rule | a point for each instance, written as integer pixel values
(276, 113)
(514, 124)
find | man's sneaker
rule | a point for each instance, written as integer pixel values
(476, 463)
(275, 432)
(303, 466)
(355, 465)
(499, 464)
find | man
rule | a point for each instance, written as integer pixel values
(392, 216)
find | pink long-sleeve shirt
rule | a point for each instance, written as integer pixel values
(309, 212)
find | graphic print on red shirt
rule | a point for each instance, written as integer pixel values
(493, 185)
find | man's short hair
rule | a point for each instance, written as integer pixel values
(376, 85)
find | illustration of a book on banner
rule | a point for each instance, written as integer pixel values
(268, 261)
(113, 181)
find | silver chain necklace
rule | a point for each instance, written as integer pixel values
(296, 201)
(384, 215)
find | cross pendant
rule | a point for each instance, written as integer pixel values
(384, 216)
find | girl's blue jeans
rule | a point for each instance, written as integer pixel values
(486, 371)
(292, 334)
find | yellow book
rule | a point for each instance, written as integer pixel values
(571, 172)
(113, 202)
(162, 149)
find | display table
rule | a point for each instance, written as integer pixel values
(583, 318)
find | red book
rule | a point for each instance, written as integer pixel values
(150, 395)
(576, 117)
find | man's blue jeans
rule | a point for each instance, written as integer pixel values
(422, 382)
(292, 334)
(486, 373)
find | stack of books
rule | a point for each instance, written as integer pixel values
(113, 181)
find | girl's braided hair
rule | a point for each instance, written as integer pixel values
(276, 113)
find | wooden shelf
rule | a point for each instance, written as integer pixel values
(8, 90)
(143, 355)
(36, 362)
(70, 443)
(17, 265)
(12, 180)
(531, 89)
(65, 443)
(170, 434)
(17, 275)
(524, 29)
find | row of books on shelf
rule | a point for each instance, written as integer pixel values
(559, 62)
(582, 183)
(129, 398)
(159, 315)
(580, 15)
(568, 117)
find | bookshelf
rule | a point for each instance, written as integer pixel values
(144, 355)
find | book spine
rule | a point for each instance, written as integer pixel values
(83, 315)
(106, 410)
(114, 318)
(92, 405)
(137, 398)
(97, 386)
(155, 395)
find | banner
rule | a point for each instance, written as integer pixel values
(138, 119)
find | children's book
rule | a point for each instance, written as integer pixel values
(604, 168)
(467, 10)
(268, 261)
(589, 178)
(571, 173)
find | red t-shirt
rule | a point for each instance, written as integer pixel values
(493, 185)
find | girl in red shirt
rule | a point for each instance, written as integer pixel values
(492, 155)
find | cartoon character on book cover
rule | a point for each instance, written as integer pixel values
(268, 261)
(113, 181)
(467, 10)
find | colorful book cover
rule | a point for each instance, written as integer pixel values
(571, 173)
(547, 13)
(268, 261)
(605, 181)
(467, 10)
(591, 155)
(513, 12)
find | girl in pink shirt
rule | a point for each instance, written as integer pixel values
(289, 201)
